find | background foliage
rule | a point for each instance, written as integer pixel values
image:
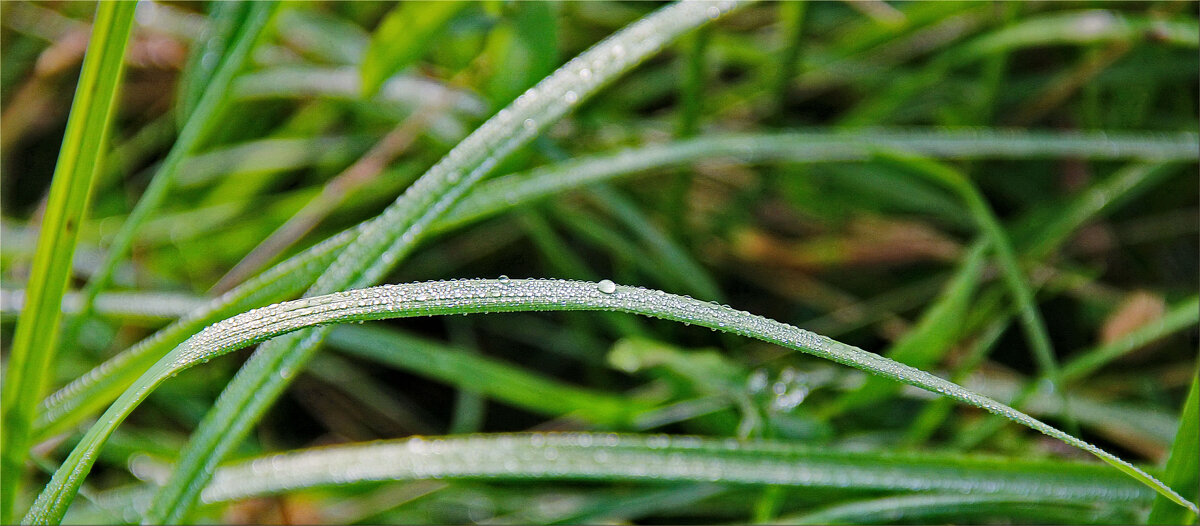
(1002, 193)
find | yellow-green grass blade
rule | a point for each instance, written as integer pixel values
(31, 357)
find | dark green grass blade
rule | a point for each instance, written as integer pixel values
(31, 358)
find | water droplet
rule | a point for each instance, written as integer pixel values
(571, 97)
(606, 286)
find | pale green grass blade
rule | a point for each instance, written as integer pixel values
(209, 107)
(664, 458)
(1181, 315)
(1181, 473)
(936, 508)
(505, 295)
(324, 36)
(402, 37)
(343, 83)
(29, 367)
(395, 232)
(91, 392)
(813, 147)
(271, 155)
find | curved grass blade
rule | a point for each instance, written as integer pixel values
(29, 365)
(815, 147)
(394, 233)
(1181, 466)
(90, 392)
(504, 295)
(664, 458)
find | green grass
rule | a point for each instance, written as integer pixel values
(910, 178)
(31, 358)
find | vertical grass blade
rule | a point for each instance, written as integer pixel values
(1181, 472)
(79, 162)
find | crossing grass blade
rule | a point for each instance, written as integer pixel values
(29, 364)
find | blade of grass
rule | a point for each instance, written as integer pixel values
(504, 295)
(663, 458)
(1181, 465)
(225, 21)
(209, 107)
(90, 392)
(1181, 315)
(30, 362)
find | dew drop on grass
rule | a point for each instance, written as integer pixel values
(606, 286)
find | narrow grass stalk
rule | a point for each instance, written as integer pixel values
(90, 392)
(1181, 315)
(504, 295)
(661, 458)
(208, 108)
(491, 377)
(29, 368)
(1181, 465)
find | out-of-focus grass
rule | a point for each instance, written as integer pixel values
(766, 161)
